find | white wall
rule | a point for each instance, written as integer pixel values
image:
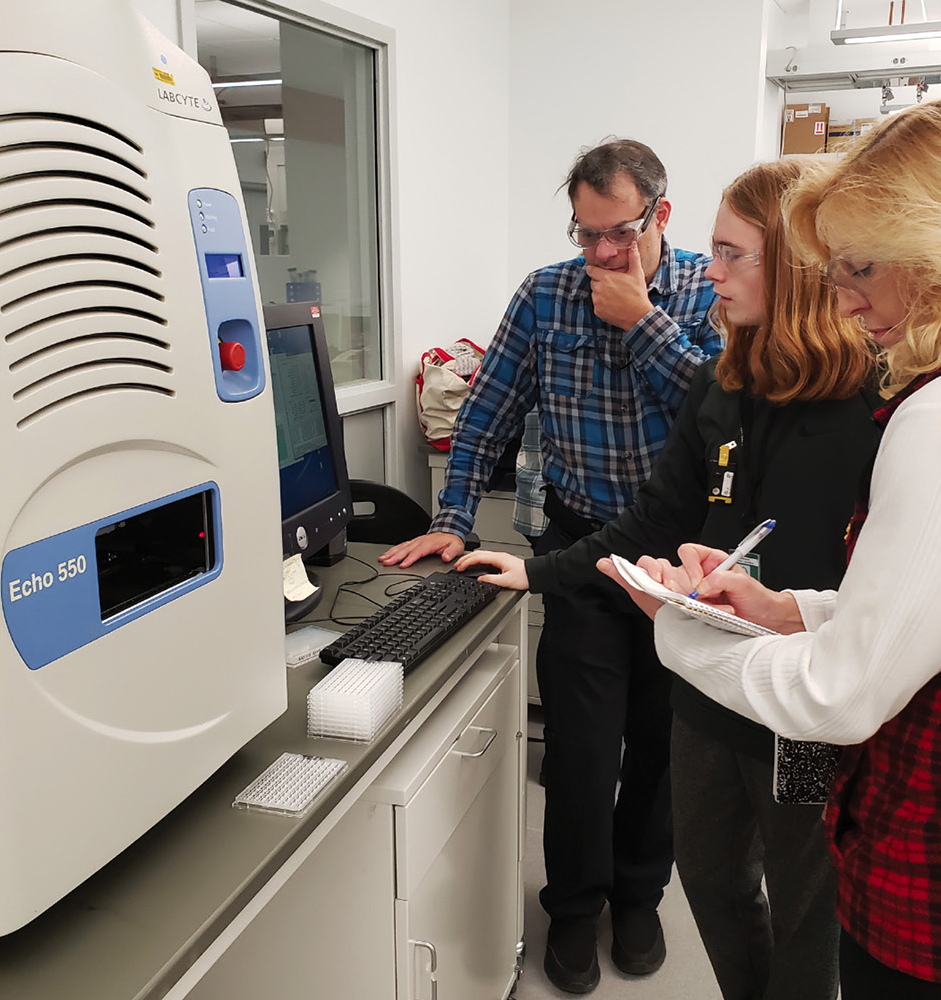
(683, 76)
(452, 127)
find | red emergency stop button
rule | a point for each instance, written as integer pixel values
(232, 355)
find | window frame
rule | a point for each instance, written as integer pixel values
(377, 394)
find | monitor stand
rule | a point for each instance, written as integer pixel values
(294, 611)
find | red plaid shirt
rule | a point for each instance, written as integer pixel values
(883, 820)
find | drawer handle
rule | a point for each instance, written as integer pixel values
(432, 965)
(484, 748)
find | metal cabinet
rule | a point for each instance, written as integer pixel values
(455, 797)
(329, 930)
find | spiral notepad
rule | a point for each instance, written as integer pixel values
(639, 579)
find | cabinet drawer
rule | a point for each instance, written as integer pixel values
(426, 823)
(400, 781)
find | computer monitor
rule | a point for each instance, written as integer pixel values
(316, 505)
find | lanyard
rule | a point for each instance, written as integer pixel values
(759, 446)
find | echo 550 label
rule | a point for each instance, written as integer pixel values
(37, 582)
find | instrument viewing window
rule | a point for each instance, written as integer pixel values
(151, 552)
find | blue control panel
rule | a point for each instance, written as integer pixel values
(65, 591)
(225, 272)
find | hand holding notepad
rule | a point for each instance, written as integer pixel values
(640, 580)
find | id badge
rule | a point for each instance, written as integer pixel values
(721, 476)
(751, 563)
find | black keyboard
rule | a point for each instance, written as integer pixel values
(408, 628)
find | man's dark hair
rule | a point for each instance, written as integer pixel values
(598, 167)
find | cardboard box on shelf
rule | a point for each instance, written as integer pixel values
(805, 128)
(843, 135)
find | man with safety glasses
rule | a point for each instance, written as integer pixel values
(604, 347)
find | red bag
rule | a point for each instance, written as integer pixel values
(444, 381)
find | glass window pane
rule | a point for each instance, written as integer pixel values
(300, 108)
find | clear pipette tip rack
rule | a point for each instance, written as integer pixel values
(355, 700)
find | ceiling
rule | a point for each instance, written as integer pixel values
(866, 12)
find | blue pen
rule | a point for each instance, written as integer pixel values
(742, 549)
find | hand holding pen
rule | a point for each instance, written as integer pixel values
(742, 549)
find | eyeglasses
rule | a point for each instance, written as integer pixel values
(733, 257)
(624, 234)
(843, 273)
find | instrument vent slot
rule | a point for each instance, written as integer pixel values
(115, 339)
(98, 392)
(47, 117)
(23, 331)
(77, 286)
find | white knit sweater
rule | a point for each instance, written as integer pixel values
(868, 647)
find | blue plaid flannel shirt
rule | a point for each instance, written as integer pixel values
(529, 518)
(602, 424)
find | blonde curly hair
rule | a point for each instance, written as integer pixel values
(882, 203)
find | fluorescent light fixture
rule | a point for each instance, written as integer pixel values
(247, 83)
(270, 138)
(913, 32)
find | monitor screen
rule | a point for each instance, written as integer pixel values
(305, 459)
(315, 491)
